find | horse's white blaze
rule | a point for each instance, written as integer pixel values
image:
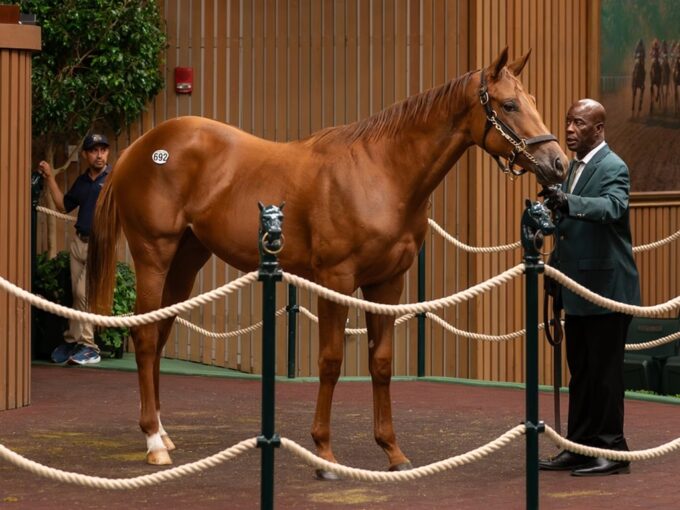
(154, 442)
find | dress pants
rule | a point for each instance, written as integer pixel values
(595, 346)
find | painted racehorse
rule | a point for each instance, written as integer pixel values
(356, 215)
(638, 80)
(655, 82)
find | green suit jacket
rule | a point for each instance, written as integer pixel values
(594, 242)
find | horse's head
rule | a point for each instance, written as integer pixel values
(506, 123)
(271, 227)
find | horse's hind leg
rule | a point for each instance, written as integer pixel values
(190, 257)
(380, 334)
(150, 281)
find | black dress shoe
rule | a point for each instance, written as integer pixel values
(602, 467)
(565, 461)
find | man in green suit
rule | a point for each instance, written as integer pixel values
(594, 248)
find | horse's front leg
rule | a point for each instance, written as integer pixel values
(332, 319)
(380, 334)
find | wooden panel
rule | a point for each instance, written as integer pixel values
(15, 217)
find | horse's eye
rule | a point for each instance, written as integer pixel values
(510, 106)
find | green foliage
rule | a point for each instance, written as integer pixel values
(101, 61)
(124, 297)
(53, 282)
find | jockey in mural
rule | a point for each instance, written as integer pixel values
(655, 50)
(640, 50)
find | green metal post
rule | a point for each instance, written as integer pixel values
(421, 316)
(535, 223)
(293, 309)
(271, 243)
(532, 268)
(36, 191)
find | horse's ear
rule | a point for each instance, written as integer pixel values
(282, 204)
(497, 65)
(260, 205)
(527, 202)
(517, 66)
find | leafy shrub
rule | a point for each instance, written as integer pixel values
(53, 282)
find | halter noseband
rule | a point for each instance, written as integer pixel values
(519, 144)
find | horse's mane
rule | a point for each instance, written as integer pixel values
(391, 120)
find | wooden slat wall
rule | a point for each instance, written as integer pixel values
(282, 69)
(15, 219)
(658, 267)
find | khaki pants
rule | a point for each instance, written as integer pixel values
(79, 332)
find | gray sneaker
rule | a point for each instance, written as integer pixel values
(85, 355)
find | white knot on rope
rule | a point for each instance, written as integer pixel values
(428, 306)
(649, 453)
(130, 320)
(127, 483)
(610, 304)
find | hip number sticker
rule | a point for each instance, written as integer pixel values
(160, 157)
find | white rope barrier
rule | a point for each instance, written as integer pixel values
(129, 320)
(649, 453)
(426, 306)
(468, 248)
(506, 247)
(136, 482)
(249, 444)
(610, 304)
(319, 463)
(226, 334)
(411, 474)
(56, 214)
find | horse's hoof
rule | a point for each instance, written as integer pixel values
(167, 442)
(158, 458)
(404, 466)
(327, 476)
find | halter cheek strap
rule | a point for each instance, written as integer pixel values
(519, 144)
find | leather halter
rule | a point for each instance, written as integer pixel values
(519, 144)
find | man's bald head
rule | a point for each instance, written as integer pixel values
(585, 126)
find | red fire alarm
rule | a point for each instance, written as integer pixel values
(184, 80)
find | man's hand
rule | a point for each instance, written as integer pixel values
(555, 199)
(45, 169)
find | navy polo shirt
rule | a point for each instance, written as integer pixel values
(83, 195)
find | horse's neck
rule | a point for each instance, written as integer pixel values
(420, 158)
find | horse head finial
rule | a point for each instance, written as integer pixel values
(271, 228)
(536, 224)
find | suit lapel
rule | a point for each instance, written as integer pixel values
(590, 169)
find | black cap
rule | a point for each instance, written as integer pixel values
(91, 141)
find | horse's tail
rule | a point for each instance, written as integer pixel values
(101, 256)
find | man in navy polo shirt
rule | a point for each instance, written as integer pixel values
(79, 347)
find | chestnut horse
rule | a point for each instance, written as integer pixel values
(356, 215)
